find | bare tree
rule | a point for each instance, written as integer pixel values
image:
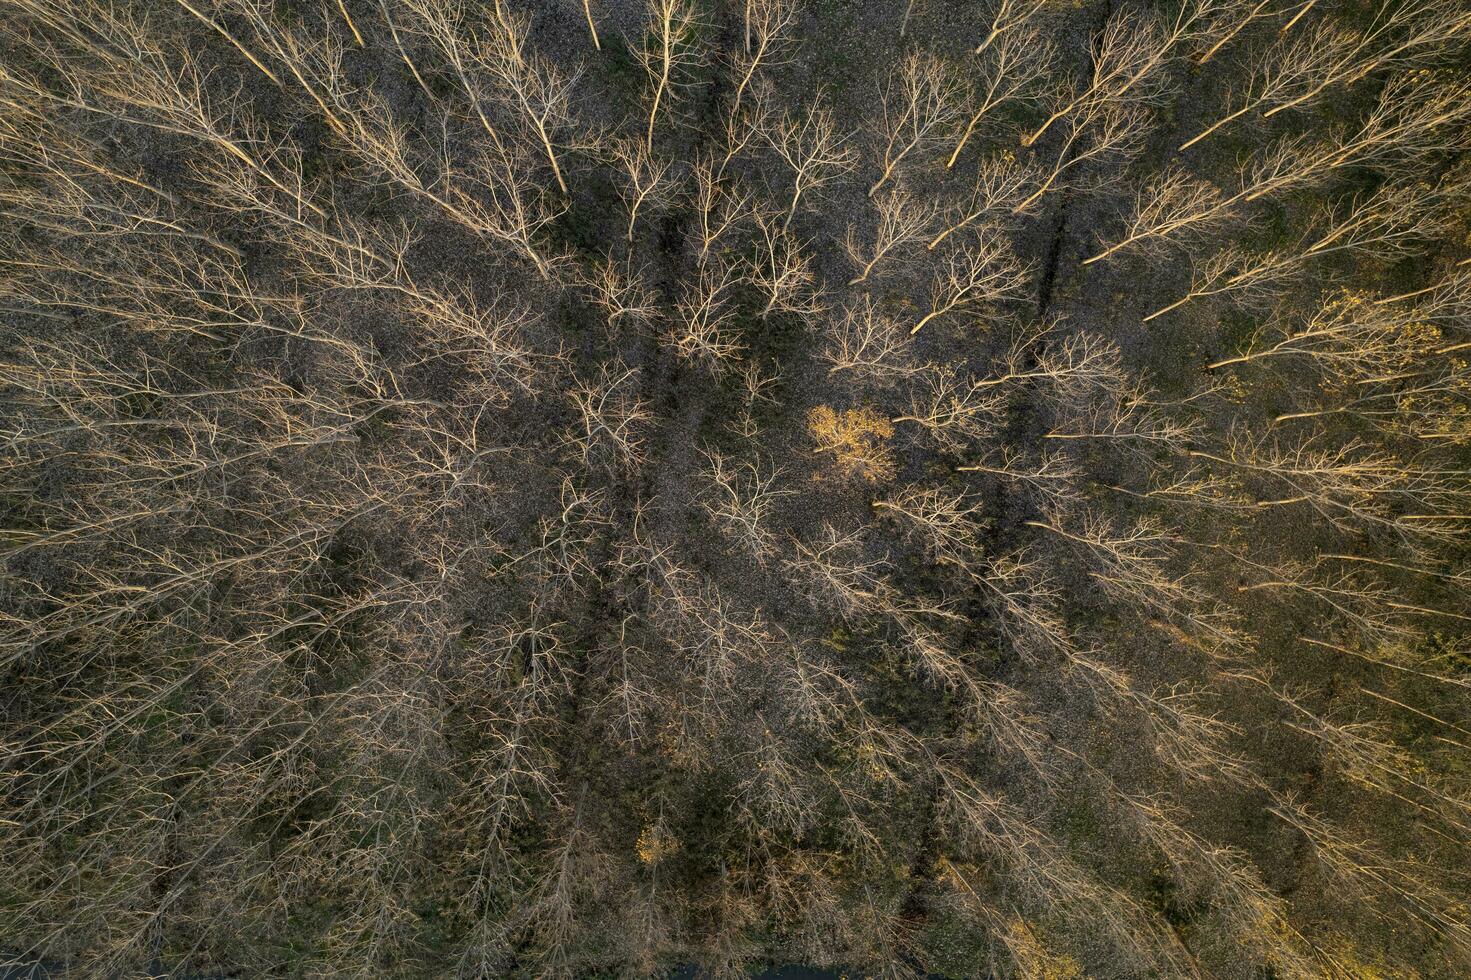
(954, 410)
(1052, 476)
(1018, 59)
(1101, 131)
(1409, 34)
(813, 151)
(1010, 14)
(702, 330)
(720, 209)
(667, 55)
(867, 343)
(1129, 562)
(1234, 18)
(1177, 201)
(1350, 485)
(905, 221)
(1130, 55)
(766, 27)
(782, 272)
(1412, 117)
(1349, 337)
(944, 522)
(1255, 280)
(740, 503)
(622, 293)
(1066, 366)
(613, 417)
(647, 182)
(1390, 222)
(592, 25)
(534, 84)
(832, 572)
(1296, 66)
(756, 391)
(920, 100)
(982, 274)
(1001, 187)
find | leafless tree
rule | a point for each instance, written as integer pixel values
(1296, 66)
(1349, 336)
(647, 183)
(1179, 203)
(954, 410)
(920, 100)
(831, 572)
(702, 331)
(1388, 223)
(905, 221)
(1001, 188)
(613, 417)
(534, 84)
(622, 293)
(945, 522)
(812, 149)
(1130, 55)
(592, 25)
(782, 272)
(1350, 485)
(1176, 202)
(1066, 365)
(667, 55)
(767, 26)
(756, 391)
(1099, 132)
(1412, 117)
(1016, 66)
(741, 500)
(1010, 14)
(867, 343)
(1233, 18)
(981, 274)
(1400, 35)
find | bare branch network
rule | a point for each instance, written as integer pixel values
(578, 488)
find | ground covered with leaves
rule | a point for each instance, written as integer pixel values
(573, 488)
